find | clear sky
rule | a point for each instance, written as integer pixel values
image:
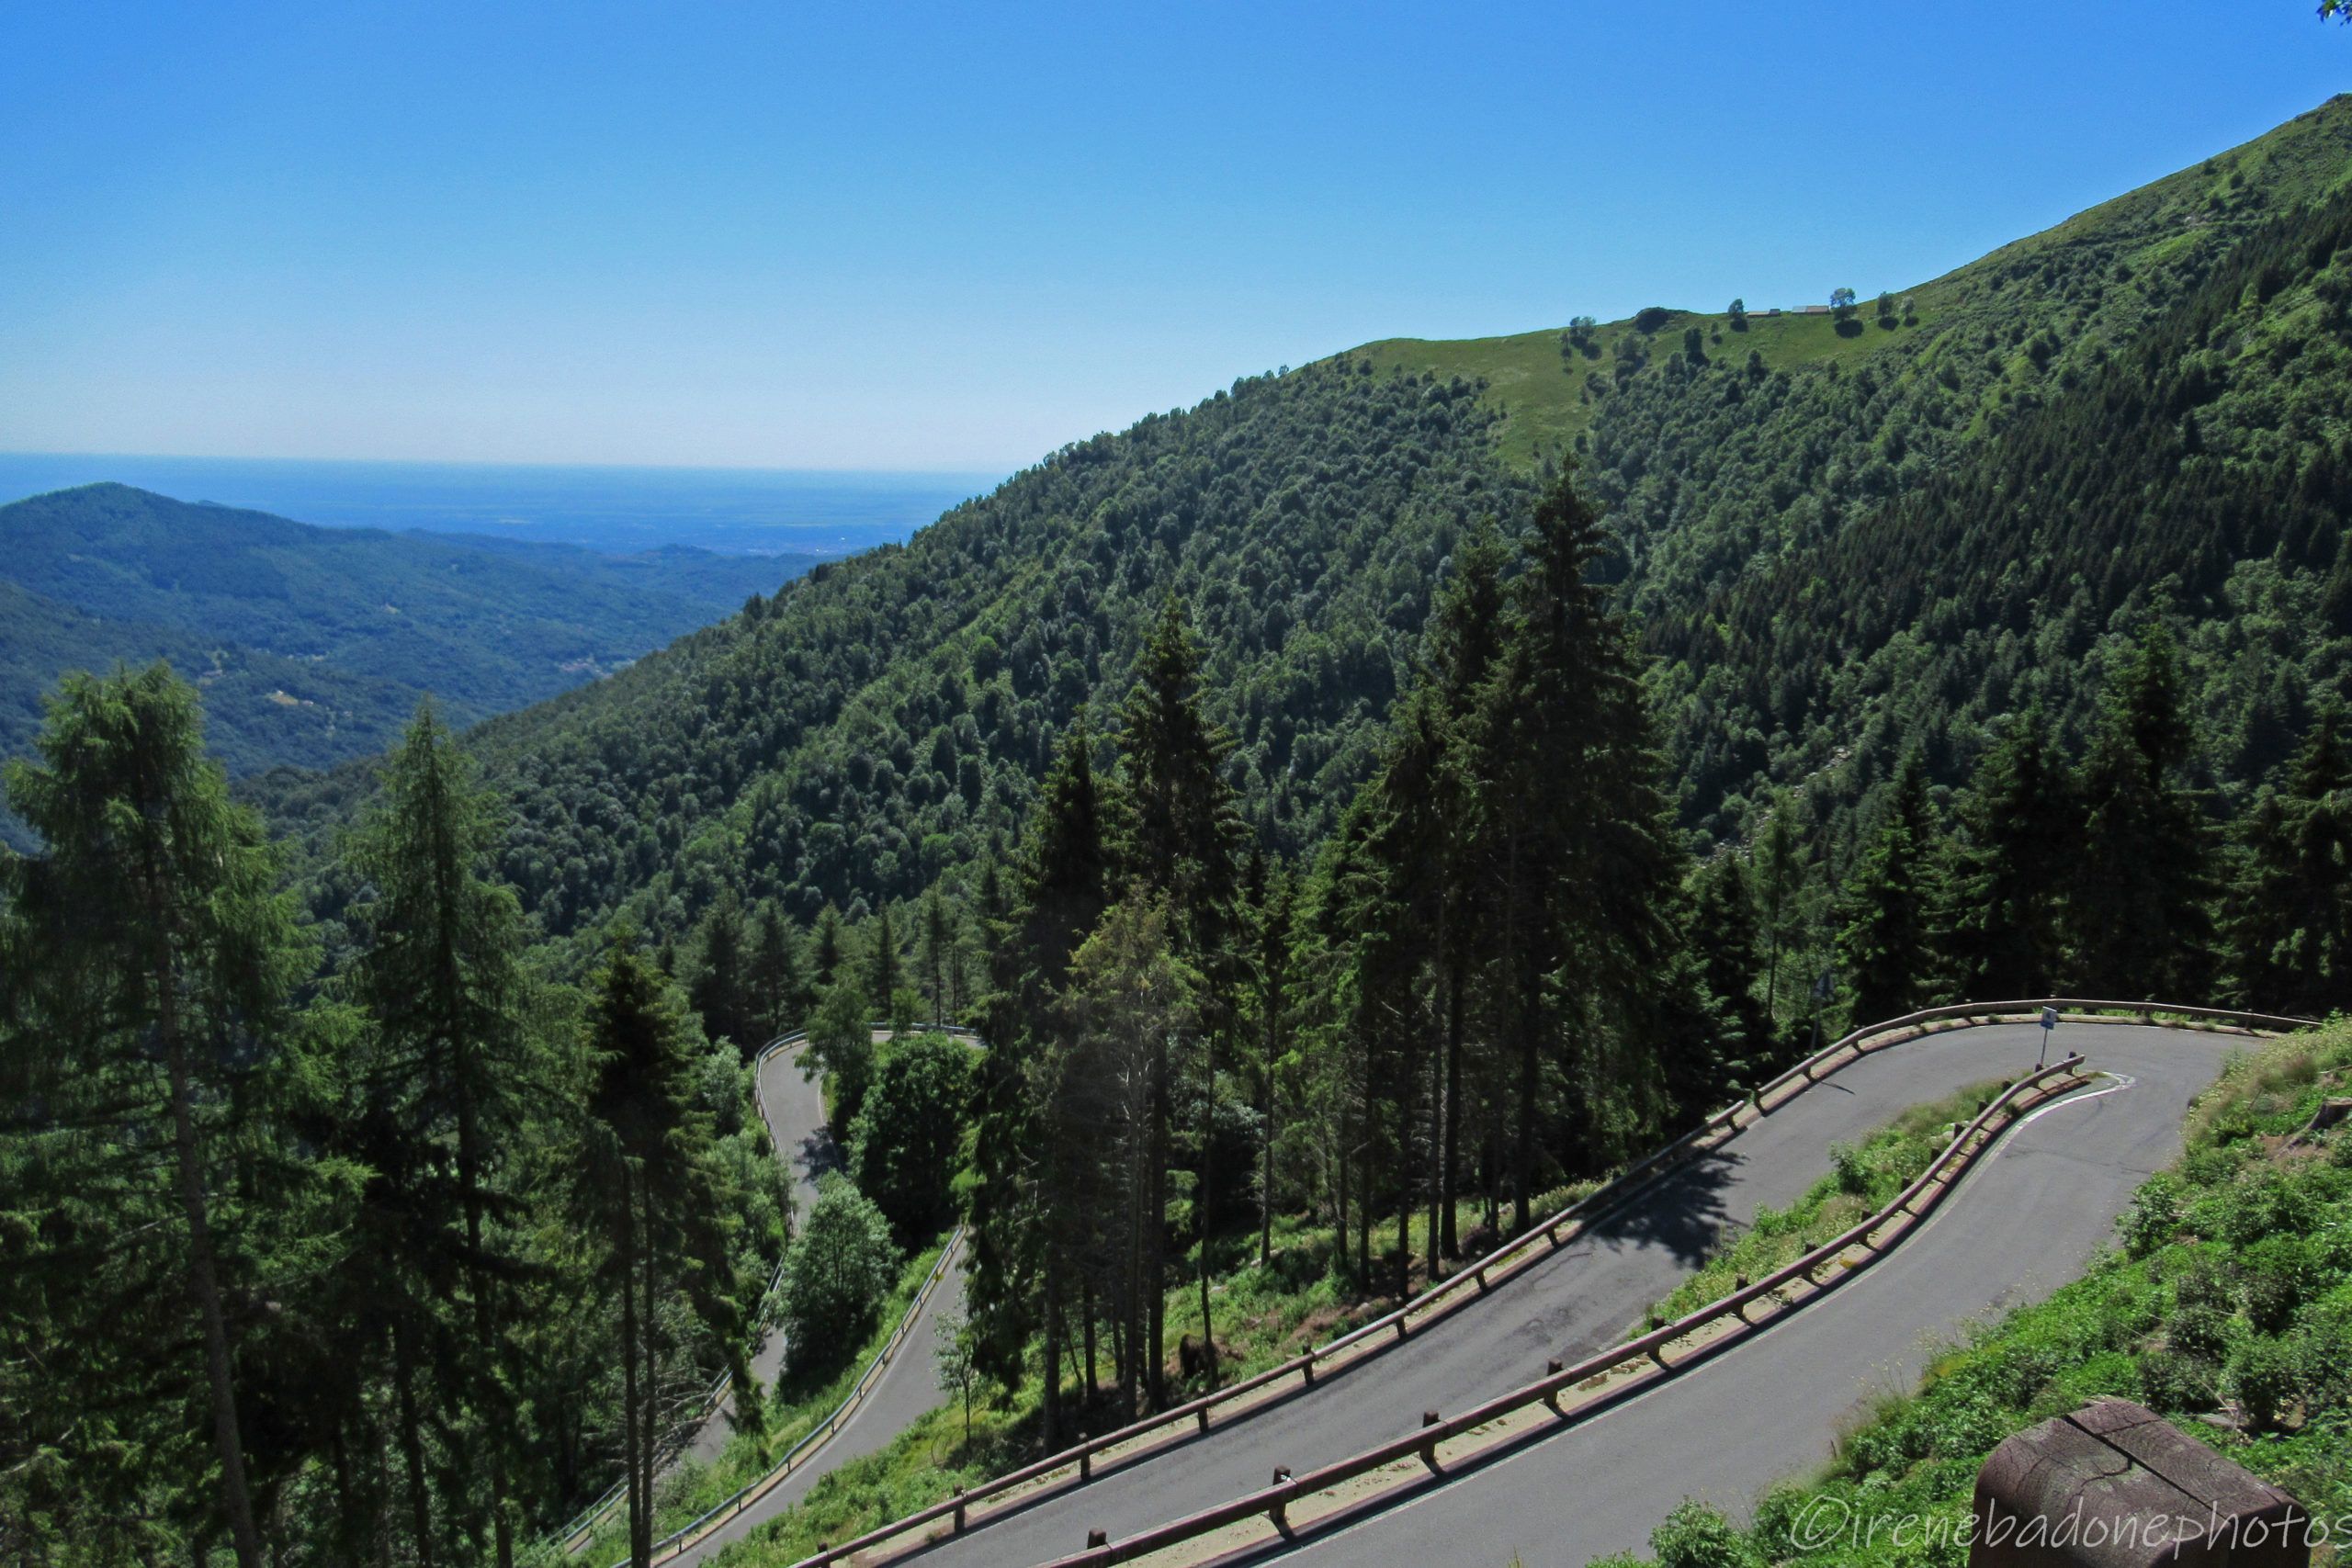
(957, 236)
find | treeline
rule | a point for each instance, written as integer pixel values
(392, 1261)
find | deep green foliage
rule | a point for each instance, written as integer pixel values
(909, 1133)
(839, 1270)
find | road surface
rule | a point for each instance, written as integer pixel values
(2020, 1225)
(2071, 1169)
(908, 1386)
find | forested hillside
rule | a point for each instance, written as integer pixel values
(887, 720)
(313, 644)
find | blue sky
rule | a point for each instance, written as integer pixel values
(955, 237)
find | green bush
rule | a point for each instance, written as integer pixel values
(2263, 1375)
(904, 1142)
(1697, 1535)
(2177, 1385)
(2274, 1277)
(1853, 1173)
(2154, 1218)
(836, 1275)
(2198, 1330)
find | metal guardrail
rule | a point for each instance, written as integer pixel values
(577, 1534)
(1513, 1256)
(1907, 1208)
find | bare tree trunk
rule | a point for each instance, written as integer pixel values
(647, 1452)
(1452, 1162)
(1156, 1233)
(1053, 1402)
(203, 1275)
(1202, 1197)
(411, 1445)
(629, 1363)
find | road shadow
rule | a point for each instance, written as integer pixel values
(1682, 1212)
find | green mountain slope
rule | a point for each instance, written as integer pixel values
(313, 644)
(1830, 535)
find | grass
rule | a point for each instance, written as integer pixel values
(802, 1399)
(1543, 393)
(2226, 1306)
(1863, 1180)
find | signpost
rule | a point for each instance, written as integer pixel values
(2049, 1025)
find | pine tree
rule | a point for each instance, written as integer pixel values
(829, 949)
(1723, 942)
(1182, 833)
(1885, 943)
(780, 997)
(722, 989)
(149, 962)
(935, 940)
(2141, 894)
(2291, 909)
(653, 1196)
(439, 975)
(882, 963)
(1574, 848)
(2001, 922)
(1022, 1267)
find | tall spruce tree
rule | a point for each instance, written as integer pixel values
(439, 973)
(653, 1196)
(1578, 866)
(2290, 925)
(723, 992)
(2001, 920)
(1022, 1274)
(149, 959)
(1884, 942)
(1183, 834)
(1725, 942)
(780, 994)
(2142, 888)
(882, 963)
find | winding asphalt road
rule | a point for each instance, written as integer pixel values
(1728, 1427)
(908, 1387)
(2019, 1226)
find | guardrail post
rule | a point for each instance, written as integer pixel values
(1308, 1369)
(1097, 1538)
(1086, 1464)
(1278, 1511)
(1480, 1274)
(1429, 1450)
(1201, 1416)
(959, 1510)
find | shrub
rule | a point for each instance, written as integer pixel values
(2275, 1276)
(2154, 1218)
(2200, 1331)
(837, 1274)
(2262, 1375)
(1697, 1535)
(903, 1145)
(2173, 1382)
(1853, 1174)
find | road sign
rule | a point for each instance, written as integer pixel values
(2049, 1018)
(2049, 1023)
